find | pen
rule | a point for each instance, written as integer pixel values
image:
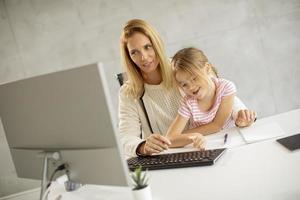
(225, 138)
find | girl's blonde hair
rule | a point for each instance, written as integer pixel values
(135, 82)
(193, 61)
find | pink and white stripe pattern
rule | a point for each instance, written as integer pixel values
(190, 109)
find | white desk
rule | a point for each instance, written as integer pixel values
(263, 170)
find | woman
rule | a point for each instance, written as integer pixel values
(148, 101)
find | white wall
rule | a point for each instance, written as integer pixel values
(254, 43)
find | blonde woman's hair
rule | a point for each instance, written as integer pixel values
(192, 60)
(135, 82)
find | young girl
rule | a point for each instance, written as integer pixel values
(207, 103)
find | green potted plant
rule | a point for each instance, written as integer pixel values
(141, 189)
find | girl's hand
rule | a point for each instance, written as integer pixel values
(155, 143)
(245, 118)
(198, 141)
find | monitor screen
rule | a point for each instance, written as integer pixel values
(70, 112)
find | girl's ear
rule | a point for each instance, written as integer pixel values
(207, 67)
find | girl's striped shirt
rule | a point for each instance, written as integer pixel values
(190, 109)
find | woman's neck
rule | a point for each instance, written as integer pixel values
(152, 78)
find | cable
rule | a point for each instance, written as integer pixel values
(45, 196)
(59, 168)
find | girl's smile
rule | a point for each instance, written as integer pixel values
(195, 86)
(191, 85)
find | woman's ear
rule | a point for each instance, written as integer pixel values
(172, 65)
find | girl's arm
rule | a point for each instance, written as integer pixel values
(175, 135)
(237, 106)
(240, 113)
(242, 116)
(221, 117)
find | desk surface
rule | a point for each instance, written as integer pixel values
(262, 170)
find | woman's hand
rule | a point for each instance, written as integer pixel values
(245, 118)
(198, 141)
(155, 143)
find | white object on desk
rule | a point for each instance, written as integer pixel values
(258, 132)
(241, 136)
(216, 140)
(237, 137)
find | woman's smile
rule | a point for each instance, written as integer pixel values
(148, 64)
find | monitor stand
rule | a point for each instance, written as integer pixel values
(47, 156)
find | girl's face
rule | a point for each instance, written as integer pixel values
(194, 85)
(142, 53)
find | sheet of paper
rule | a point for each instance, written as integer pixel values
(258, 132)
(216, 140)
(237, 137)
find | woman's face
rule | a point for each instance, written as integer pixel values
(142, 53)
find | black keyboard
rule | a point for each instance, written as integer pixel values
(176, 160)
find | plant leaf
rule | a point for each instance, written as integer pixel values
(139, 178)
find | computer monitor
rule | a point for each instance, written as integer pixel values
(69, 112)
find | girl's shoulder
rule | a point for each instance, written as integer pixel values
(222, 82)
(225, 85)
